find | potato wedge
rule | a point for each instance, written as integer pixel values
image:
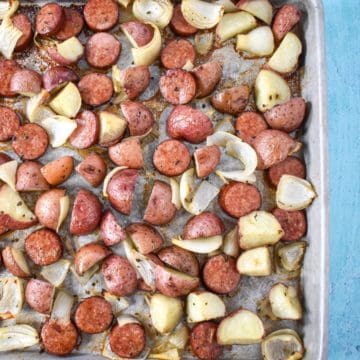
(231, 243)
(255, 262)
(67, 101)
(257, 43)
(71, 49)
(58, 171)
(15, 262)
(112, 128)
(12, 297)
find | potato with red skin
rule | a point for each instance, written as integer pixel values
(87, 130)
(92, 169)
(30, 178)
(127, 153)
(58, 58)
(86, 213)
(26, 81)
(58, 76)
(58, 171)
(135, 80)
(285, 19)
(39, 295)
(207, 76)
(140, 33)
(232, 101)
(7, 70)
(206, 160)
(292, 222)
(11, 264)
(249, 125)
(179, 25)
(204, 225)
(290, 166)
(145, 237)
(140, 119)
(89, 255)
(110, 230)
(23, 23)
(49, 19)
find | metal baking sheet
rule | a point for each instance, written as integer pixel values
(314, 279)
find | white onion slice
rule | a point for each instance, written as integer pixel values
(109, 176)
(124, 3)
(64, 203)
(9, 35)
(8, 173)
(127, 319)
(231, 243)
(201, 14)
(172, 354)
(228, 5)
(118, 304)
(261, 9)
(56, 272)
(12, 297)
(35, 109)
(158, 12)
(17, 337)
(86, 276)
(8, 8)
(62, 307)
(199, 245)
(175, 193)
(203, 42)
(294, 193)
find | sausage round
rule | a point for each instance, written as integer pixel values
(7, 70)
(30, 141)
(290, 166)
(285, 19)
(43, 247)
(139, 32)
(249, 125)
(49, 19)
(72, 26)
(171, 158)
(177, 86)
(292, 222)
(180, 260)
(186, 123)
(59, 337)
(238, 199)
(92, 169)
(120, 277)
(102, 50)
(9, 123)
(204, 225)
(203, 341)
(220, 274)
(232, 101)
(101, 15)
(207, 76)
(39, 295)
(87, 130)
(177, 53)
(110, 230)
(26, 82)
(58, 75)
(127, 340)
(93, 315)
(140, 119)
(23, 23)
(95, 89)
(127, 153)
(179, 25)
(135, 80)
(206, 160)
(30, 178)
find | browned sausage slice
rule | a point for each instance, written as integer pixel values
(39, 295)
(86, 213)
(120, 277)
(30, 141)
(73, 24)
(7, 70)
(177, 86)
(140, 119)
(95, 89)
(87, 131)
(135, 80)
(26, 82)
(186, 123)
(110, 230)
(23, 23)
(49, 19)
(171, 158)
(101, 15)
(9, 123)
(127, 153)
(238, 199)
(206, 224)
(207, 76)
(220, 274)
(58, 75)
(93, 315)
(292, 222)
(179, 25)
(43, 247)
(232, 101)
(177, 53)
(249, 125)
(102, 50)
(141, 33)
(290, 166)
(92, 169)
(127, 340)
(286, 18)
(203, 341)
(30, 178)
(206, 160)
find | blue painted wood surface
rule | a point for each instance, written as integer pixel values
(343, 66)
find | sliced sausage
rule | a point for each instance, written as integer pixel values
(72, 26)
(180, 260)
(102, 50)
(7, 70)
(272, 147)
(127, 340)
(39, 295)
(30, 141)
(290, 166)
(43, 247)
(140, 119)
(89, 255)
(179, 25)
(95, 89)
(249, 125)
(9, 123)
(203, 341)
(160, 210)
(93, 315)
(177, 86)
(92, 169)
(171, 158)
(232, 101)
(135, 80)
(206, 160)
(57, 171)
(121, 189)
(186, 123)
(238, 199)
(57, 76)
(87, 130)
(220, 274)
(177, 53)
(292, 222)
(285, 19)
(23, 23)
(204, 225)
(26, 82)
(86, 213)
(120, 277)
(288, 116)
(110, 230)
(59, 337)
(139, 32)
(207, 76)
(127, 153)
(146, 238)
(49, 19)
(101, 15)
(30, 178)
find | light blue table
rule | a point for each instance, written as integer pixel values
(343, 52)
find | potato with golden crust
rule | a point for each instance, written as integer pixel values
(58, 171)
